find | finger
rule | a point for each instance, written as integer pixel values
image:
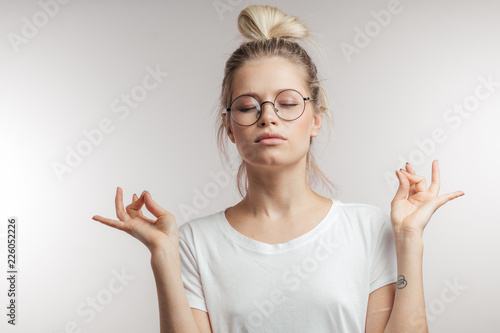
(134, 209)
(435, 182)
(404, 186)
(419, 181)
(447, 197)
(135, 198)
(112, 223)
(153, 207)
(120, 211)
(410, 169)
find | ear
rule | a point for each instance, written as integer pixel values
(317, 118)
(229, 130)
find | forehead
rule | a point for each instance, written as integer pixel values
(266, 77)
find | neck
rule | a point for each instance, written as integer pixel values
(277, 192)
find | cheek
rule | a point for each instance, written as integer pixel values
(304, 124)
(302, 128)
(301, 138)
(245, 145)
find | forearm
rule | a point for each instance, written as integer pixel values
(174, 310)
(408, 311)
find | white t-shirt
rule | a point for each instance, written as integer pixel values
(317, 282)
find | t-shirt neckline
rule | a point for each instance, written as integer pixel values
(281, 247)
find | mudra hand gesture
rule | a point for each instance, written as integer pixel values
(153, 234)
(410, 215)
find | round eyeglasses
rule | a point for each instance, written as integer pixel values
(289, 105)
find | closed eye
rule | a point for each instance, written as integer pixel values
(247, 109)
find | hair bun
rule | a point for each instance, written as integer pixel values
(258, 22)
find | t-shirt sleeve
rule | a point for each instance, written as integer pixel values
(383, 268)
(191, 277)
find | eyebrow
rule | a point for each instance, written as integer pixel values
(254, 94)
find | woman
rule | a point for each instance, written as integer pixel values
(285, 259)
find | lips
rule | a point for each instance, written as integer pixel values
(269, 135)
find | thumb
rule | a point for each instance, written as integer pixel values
(153, 207)
(164, 217)
(404, 186)
(166, 221)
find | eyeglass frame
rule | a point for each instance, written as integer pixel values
(274, 107)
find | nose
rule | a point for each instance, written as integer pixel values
(271, 113)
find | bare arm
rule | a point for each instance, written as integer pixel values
(401, 307)
(175, 312)
(408, 312)
(411, 209)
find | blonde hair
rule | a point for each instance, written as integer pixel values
(272, 33)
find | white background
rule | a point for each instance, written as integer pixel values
(386, 99)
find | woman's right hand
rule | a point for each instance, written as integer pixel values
(153, 234)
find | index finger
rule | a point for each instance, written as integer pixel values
(112, 223)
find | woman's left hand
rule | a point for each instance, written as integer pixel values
(410, 215)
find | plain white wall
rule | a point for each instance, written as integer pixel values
(402, 85)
